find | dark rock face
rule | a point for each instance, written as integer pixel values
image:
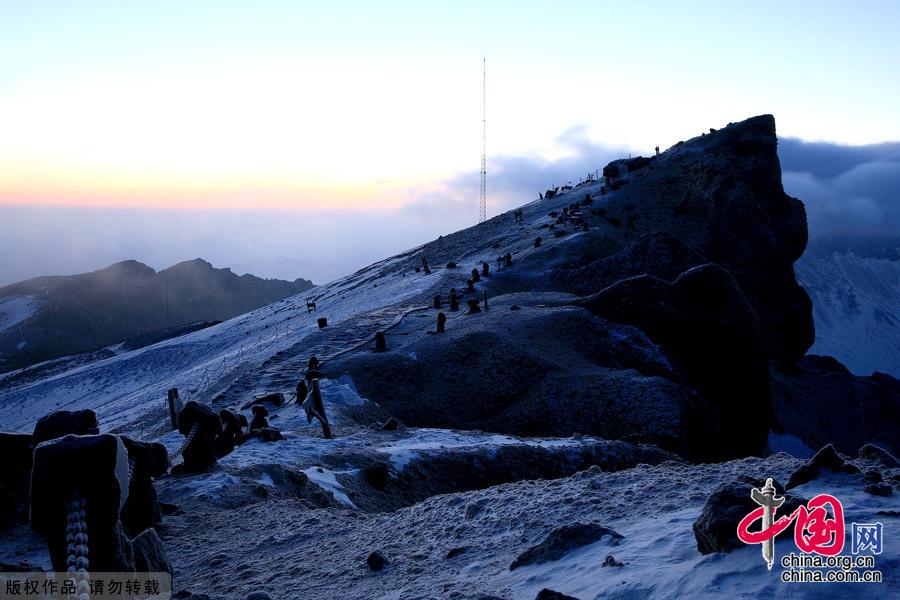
(721, 196)
(825, 459)
(65, 422)
(149, 460)
(658, 254)
(705, 323)
(821, 402)
(149, 553)
(96, 467)
(563, 540)
(716, 528)
(15, 477)
(201, 452)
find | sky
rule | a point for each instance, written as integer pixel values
(307, 139)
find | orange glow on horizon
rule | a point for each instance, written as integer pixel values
(29, 185)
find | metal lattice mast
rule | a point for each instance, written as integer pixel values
(482, 204)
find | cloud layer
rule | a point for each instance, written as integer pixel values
(852, 194)
(849, 191)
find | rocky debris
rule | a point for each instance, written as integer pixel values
(455, 551)
(375, 561)
(873, 452)
(64, 422)
(258, 596)
(149, 553)
(548, 594)
(879, 489)
(563, 540)
(610, 561)
(716, 528)
(826, 458)
(201, 452)
(705, 323)
(95, 468)
(148, 460)
(17, 450)
(821, 402)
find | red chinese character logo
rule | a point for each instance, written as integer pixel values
(814, 530)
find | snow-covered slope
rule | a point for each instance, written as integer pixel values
(856, 308)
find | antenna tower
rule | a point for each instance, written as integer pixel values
(482, 204)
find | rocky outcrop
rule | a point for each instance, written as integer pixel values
(721, 195)
(826, 459)
(708, 327)
(714, 199)
(821, 402)
(563, 540)
(535, 371)
(658, 254)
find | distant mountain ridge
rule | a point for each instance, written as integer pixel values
(48, 317)
(856, 304)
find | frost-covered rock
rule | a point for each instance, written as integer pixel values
(537, 371)
(563, 540)
(821, 402)
(200, 453)
(64, 422)
(95, 467)
(825, 459)
(148, 461)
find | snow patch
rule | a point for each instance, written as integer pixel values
(402, 452)
(15, 309)
(326, 480)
